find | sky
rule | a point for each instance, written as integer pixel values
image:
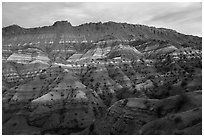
(184, 17)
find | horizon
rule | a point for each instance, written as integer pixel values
(185, 18)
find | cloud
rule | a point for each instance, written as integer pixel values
(181, 16)
(177, 14)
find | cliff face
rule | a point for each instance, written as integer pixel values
(103, 31)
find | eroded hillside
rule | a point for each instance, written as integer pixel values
(101, 78)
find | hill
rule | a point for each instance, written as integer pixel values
(100, 78)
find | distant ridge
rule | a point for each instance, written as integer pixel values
(107, 30)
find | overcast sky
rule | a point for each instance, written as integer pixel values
(183, 17)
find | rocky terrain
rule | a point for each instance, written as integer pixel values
(100, 78)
